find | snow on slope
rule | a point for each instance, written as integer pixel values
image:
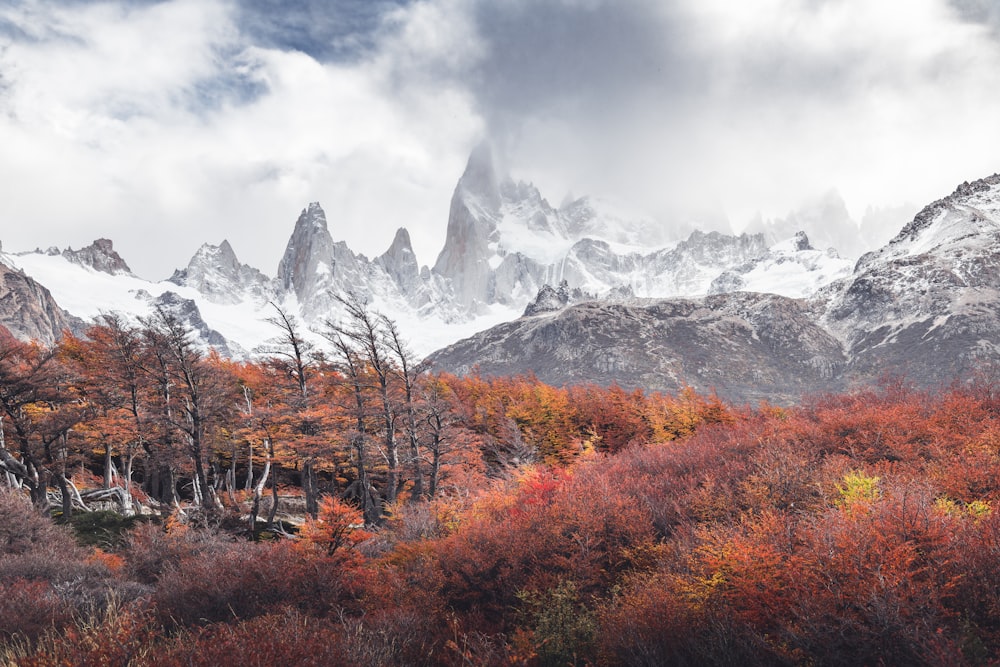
(87, 293)
(504, 242)
(796, 272)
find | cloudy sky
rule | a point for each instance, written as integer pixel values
(165, 124)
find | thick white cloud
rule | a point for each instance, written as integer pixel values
(756, 105)
(160, 127)
(166, 124)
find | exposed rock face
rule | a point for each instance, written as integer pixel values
(550, 299)
(400, 263)
(28, 310)
(746, 346)
(217, 273)
(505, 242)
(927, 306)
(308, 253)
(186, 310)
(100, 256)
(315, 268)
(472, 227)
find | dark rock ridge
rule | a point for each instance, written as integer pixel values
(746, 346)
(100, 256)
(551, 299)
(187, 312)
(928, 303)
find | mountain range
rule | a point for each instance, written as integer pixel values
(587, 291)
(925, 307)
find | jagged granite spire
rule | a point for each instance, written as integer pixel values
(400, 262)
(309, 249)
(317, 269)
(472, 225)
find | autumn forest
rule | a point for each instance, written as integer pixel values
(337, 503)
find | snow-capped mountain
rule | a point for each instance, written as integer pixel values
(84, 293)
(925, 306)
(216, 273)
(504, 243)
(928, 303)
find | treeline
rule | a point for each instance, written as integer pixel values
(162, 424)
(570, 526)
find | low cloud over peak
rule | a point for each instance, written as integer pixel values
(164, 123)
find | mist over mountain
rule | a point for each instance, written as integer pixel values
(925, 306)
(504, 242)
(586, 292)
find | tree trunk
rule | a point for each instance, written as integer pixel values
(370, 509)
(418, 471)
(249, 482)
(129, 462)
(309, 487)
(231, 479)
(274, 501)
(196, 487)
(170, 489)
(258, 492)
(108, 465)
(435, 472)
(67, 499)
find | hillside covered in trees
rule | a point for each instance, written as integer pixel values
(339, 505)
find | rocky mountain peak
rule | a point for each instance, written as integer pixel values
(480, 180)
(309, 245)
(400, 262)
(100, 256)
(400, 246)
(983, 196)
(220, 257)
(472, 227)
(227, 254)
(186, 310)
(801, 241)
(216, 272)
(312, 217)
(550, 299)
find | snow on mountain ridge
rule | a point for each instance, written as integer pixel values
(216, 272)
(504, 242)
